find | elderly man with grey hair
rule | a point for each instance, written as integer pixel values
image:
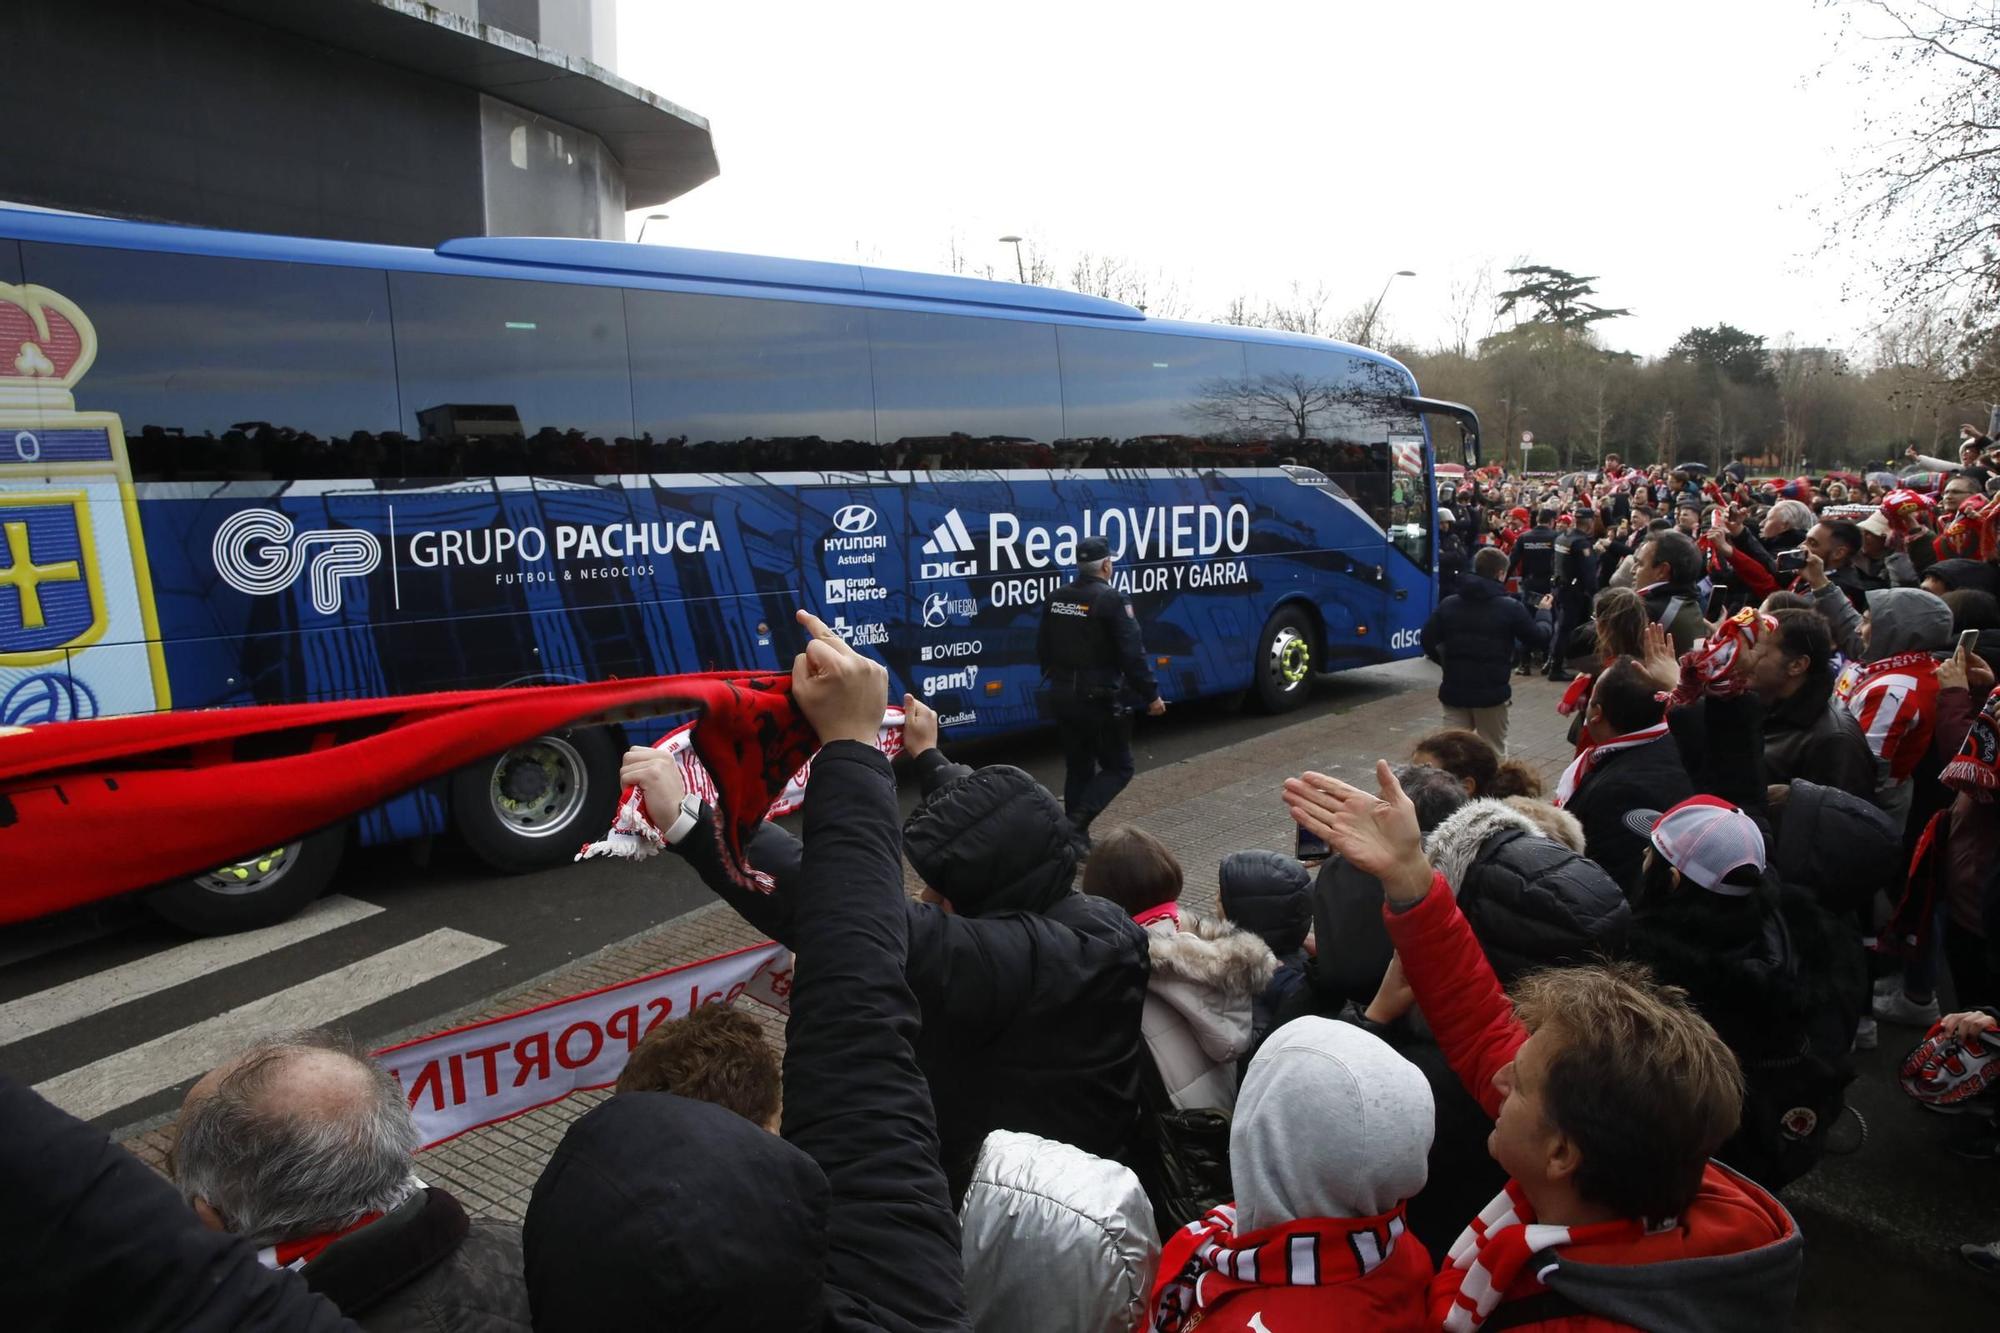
(303, 1146)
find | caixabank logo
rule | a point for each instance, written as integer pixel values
(76, 593)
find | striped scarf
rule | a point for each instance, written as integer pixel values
(296, 1254)
(1587, 758)
(1309, 1252)
(1489, 1255)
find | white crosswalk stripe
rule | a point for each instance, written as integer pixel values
(117, 1080)
(47, 1010)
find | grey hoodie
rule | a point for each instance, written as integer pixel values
(1331, 1122)
(1906, 620)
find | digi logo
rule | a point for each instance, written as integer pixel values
(256, 552)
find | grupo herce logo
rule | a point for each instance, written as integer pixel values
(854, 519)
(257, 552)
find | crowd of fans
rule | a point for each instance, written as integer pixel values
(1512, 1055)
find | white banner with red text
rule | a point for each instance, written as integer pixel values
(493, 1070)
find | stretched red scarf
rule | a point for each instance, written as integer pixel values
(1205, 1262)
(1487, 1259)
(91, 809)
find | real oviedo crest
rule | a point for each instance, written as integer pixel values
(78, 632)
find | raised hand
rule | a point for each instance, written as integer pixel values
(920, 726)
(1376, 834)
(1661, 664)
(841, 692)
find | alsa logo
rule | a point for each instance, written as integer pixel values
(952, 680)
(1406, 638)
(257, 552)
(949, 538)
(947, 652)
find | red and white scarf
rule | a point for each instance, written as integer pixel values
(1205, 1261)
(296, 1254)
(1488, 1256)
(1895, 701)
(1591, 755)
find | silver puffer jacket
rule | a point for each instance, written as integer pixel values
(1055, 1240)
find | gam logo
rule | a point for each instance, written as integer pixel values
(257, 552)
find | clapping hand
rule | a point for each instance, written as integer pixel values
(1376, 834)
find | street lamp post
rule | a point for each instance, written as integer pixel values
(1368, 327)
(650, 219)
(1020, 270)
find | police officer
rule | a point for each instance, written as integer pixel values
(1575, 586)
(1095, 667)
(1534, 564)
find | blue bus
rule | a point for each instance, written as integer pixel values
(243, 469)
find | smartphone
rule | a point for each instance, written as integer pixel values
(1968, 643)
(1309, 847)
(1792, 561)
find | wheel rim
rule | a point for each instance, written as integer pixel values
(253, 874)
(537, 789)
(1290, 662)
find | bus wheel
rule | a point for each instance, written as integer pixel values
(256, 891)
(1284, 660)
(532, 807)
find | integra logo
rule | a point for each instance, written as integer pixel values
(949, 538)
(940, 609)
(952, 680)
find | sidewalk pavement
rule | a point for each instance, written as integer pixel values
(1907, 1195)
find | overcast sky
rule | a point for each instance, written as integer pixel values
(1677, 150)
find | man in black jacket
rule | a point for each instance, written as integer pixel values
(1837, 543)
(1031, 993)
(1534, 564)
(1575, 586)
(1665, 572)
(661, 1211)
(1474, 635)
(1806, 734)
(1095, 665)
(1632, 763)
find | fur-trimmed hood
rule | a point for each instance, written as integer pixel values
(1208, 972)
(1453, 845)
(1561, 825)
(1211, 953)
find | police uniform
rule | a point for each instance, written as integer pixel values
(1534, 564)
(1095, 667)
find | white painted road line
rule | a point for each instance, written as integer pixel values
(117, 1080)
(51, 1008)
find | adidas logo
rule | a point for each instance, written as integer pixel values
(949, 538)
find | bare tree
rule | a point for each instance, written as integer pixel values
(1302, 311)
(1470, 305)
(1274, 404)
(1239, 312)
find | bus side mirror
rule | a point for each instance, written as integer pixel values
(1468, 443)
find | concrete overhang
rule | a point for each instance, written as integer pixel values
(665, 150)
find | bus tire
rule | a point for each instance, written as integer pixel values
(256, 891)
(533, 806)
(1284, 665)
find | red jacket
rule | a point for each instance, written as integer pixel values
(1733, 1261)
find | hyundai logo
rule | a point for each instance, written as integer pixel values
(854, 519)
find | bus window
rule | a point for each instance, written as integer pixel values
(959, 392)
(721, 383)
(1147, 399)
(530, 376)
(1331, 411)
(231, 368)
(10, 261)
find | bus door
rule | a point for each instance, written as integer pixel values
(1410, 560)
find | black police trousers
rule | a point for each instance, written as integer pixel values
(1097, 756)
